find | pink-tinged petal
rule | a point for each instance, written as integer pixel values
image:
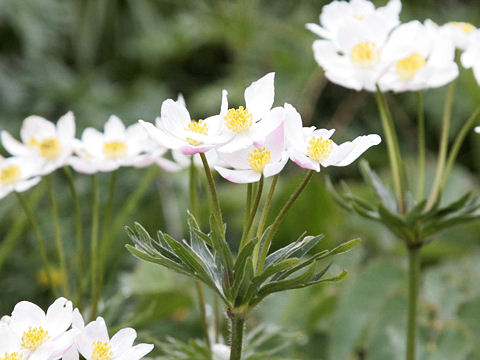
(346, 153)
(36, 127)
(26, 314)
(84, 344)
(174, 117)
(66, 127)
(59, 316)
(275, 143)
(191, 150)
(160, 137)
(273, 168)
(96, 330)
(272, 120)
(71, 354)
(239, 176)
(54, 349)
(168, 165)
(303, 161)
(122, 341)
(26, 184)
(224, 105)
(12, 145)
(136, 352)
(259, 96)
(114, 128)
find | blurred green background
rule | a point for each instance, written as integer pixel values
(124, 57)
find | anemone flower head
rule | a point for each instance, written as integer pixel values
(42, 336)
(471, 56)
(117, 146)
(266, 158)
(94, 343)
(421, 56)
(17, 174)
(10, 344)
(461, 33)
(49, 145)
(312, 148)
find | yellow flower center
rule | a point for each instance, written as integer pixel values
(199, 127)
(49, 147)
(12, 356)
(466, 27)
(319, 149)
(359, 17)
(101, 351)
(34, 337)
(365, 55)
(10, 175)
(238, 120)
(115, 149)
(259, 158)
(408, 67)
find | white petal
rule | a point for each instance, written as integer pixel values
(26, 314)
(259, 96)
(59, 316)
(12, 145)
(137, 352)
(239, 176)
(96, 330)
(346, 153)
(66, 127)
(274, 167)
(174, 117)
(122, 341)
(26, 184)
(36, 127)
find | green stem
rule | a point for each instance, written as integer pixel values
(278, 220)
(467, 127)
(40, 241)
(266, 206)
(193, 189)
(393, 150)
(248, 207)
(58, 236)
(211, 184)
(94, 246)
(238, 323)
(421, 147)
(413, 285)
(218, 325)
(253, 212)
(79, 235)
(203, 312)
(442, 154)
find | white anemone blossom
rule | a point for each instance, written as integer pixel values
(42, 336)
(94, 343)
(419, 56)
(117, 146)
(17, 174)
(311, 148)
(10, 344)
(461, 33)
(49, 145)
(471, 56)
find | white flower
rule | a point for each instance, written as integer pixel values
(42, 336)
(48, 145)
(461, 33)
(309, 147)
(420, 57)
(266, 158)
(221, 351)
(94, 343)
(116, 146)
(339, 14)
(471, 56)
(17, 174)
(10, 345)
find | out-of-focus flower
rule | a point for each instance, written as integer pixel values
(471, 56)
(116, 146)
(17, 174)
(221, 351)
(42, 336)
(339, 14)
(420, 57)
(47, 144)
(309, 147)
(461, 33)
(93, 343)
(267, 158)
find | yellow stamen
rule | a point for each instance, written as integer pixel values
(12, 356)
(238, 120)
(199, 127)
(32, 142)
(358, 17)
(34, 337)
(101, 351)
(259, 158)
(365, 55)
(466, 27)
(49, 148)
(10, 174)
(408, 67)
(319, 149)
(115, 149)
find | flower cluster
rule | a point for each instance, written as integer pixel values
(30, 333)
(362, 47)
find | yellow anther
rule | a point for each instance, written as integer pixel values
(259, 158)
(50, 148)
(34, 337)
(466, 27)
(10, 175)
(319, 149)
(408, 67)
(12, 356)
(101, 351)
(365, 55)
(199, 127)
(359, 17)
(115, 149)
(238, 120)
(32, 142)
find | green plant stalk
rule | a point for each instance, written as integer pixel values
(248, 206)
(94, 246)
(213, 190)
(452, 156)
(421, 146)
(278, 220)
(413, 285)
(40, 241)
(237, 329)
(78, 235)
(253, 212)
(218, 325)
(442, 154)
(393, 150)
(58, 236)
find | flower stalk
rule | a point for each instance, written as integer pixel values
(413, 285)
(237, 330)
(421, 146)
(94, 246)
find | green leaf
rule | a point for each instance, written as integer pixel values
(381, 190)
(344, 247)
(221, 247)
